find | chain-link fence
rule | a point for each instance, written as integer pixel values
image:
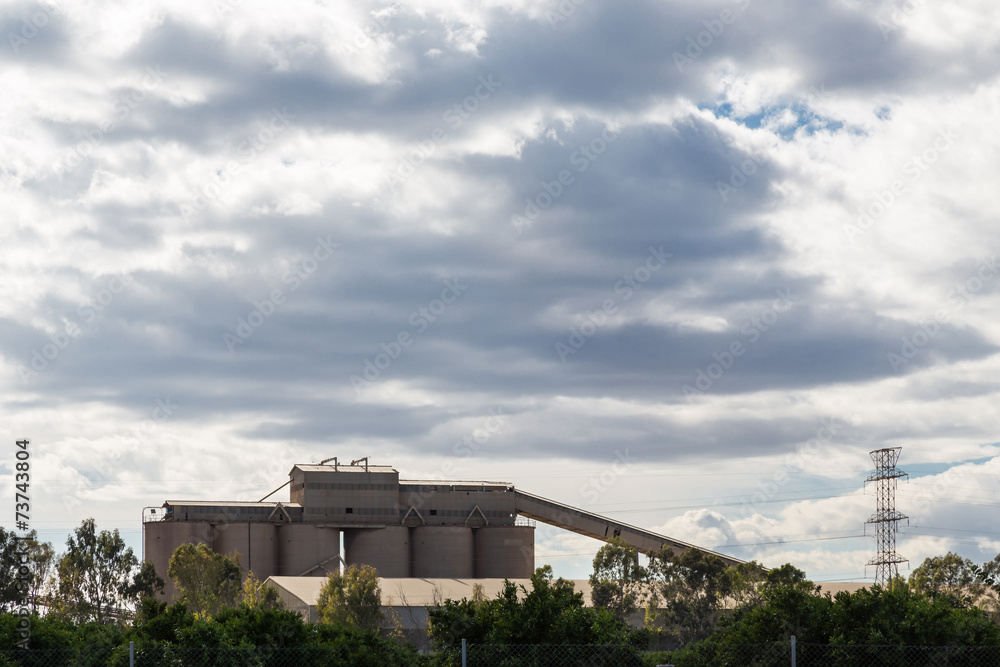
(177, 656)
(551, 655)
(774, 654)
(854, 655)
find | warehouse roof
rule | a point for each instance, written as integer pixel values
(415, 592)
(410, 592)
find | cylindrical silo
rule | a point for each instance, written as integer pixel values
(254, 542)
(307, 550)
(232, 538)
(263, 556)
(163, 537)
(505, 552)
(442, 552)
(386, 549)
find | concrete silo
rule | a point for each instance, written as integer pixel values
(386, 549)
(505, 552)
(161, 538)
(255, 542)
(307, 550)
(442, 552)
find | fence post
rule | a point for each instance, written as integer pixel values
(793, 650)
(131, 654)
(463, 653)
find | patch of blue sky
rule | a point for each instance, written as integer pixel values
(775, 118)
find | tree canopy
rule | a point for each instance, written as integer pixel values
(352, 598)
(618, 582)
(207, 581)
(95, 575)
(552, 612)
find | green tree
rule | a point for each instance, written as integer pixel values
(552, 612)
(41, 561)
(688, 592)
(256, 595)
(10, 564)
(207, 581)
(988, 575)
(946, 574)
(872, 617)
(618, 582)
(352, 598)
(95, 574)
(146, 584)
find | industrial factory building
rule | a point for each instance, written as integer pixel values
(428, 529)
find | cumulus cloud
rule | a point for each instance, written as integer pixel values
(689, 231)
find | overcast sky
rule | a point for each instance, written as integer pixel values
(683, 263)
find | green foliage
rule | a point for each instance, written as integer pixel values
(207, 581)
(174, 635)
(987, 575)
(550, 613)
(8, 570)
(618, 582)
(258, 596)
(875, 615)
(95, 579)
(40, 559)
(352, 599)
(689, 591)
(960, 577)
(146, 584)
(949, 573)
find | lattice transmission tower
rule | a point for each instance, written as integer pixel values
(886, 518)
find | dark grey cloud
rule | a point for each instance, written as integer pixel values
(592, 156)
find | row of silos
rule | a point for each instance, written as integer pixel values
(265, 548)
(452, 552)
